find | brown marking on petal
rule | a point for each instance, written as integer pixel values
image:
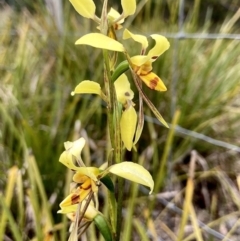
(154, 57)
(75, 199)
(127, 94)
(116, 26)
(153, 83)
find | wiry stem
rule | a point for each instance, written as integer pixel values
(114, 126)
(115, 137)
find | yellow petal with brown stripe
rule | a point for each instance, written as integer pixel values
(153, 82)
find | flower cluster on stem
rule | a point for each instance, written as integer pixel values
(125, 123)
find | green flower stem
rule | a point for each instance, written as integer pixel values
(110, 91)
(119, 207)
(107, 78)
(115, 137)
(117, 154)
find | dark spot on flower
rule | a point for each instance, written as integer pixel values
(154, 57)
(153, 83)
(127, 94)
(116, 26)
(75, 199)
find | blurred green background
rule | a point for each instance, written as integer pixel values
(40, 66)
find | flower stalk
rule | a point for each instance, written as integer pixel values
(125, 125)
(115, 138)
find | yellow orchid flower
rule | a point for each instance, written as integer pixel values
(71, 210)
(108, 23)
(85, 212)
(128, 170)
(128, 119)
(88, 179)
(87, 185)
(122, 86)
(114, 15)
(142, 64)
(125, 95)
(123, 90)
(87, 9)
(85, 177)
(78, 204)
(115, 19)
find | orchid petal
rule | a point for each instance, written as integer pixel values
(123, 89)
(101, 41)
(86, 185)
(136, 37)
(139, 60)
(91, 211)
(129, 7)
(95, 186)
(144, 69)
(128, 124)
(80, 178)
(113, 15)
(88, 87)
(68, 209)
(72, 199)
(86, 8)
(75, 198)
(160, 47)
(90, 172)
(153, 82)
(68, 145)
(72, 149)
(76, 147)
(133, 172)
(66, 159)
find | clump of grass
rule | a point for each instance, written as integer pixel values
(39, 70)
